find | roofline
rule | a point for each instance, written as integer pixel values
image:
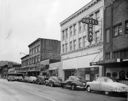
(25, 56)
(87, 6)
(41, 39)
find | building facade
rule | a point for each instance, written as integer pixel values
(77, 52)
(41, 53)
(116, 39)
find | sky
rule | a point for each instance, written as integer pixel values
(23, 21)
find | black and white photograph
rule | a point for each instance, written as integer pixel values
(63, 50)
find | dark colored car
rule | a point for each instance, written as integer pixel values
(41, 79)
(74, 82)
(54, 81)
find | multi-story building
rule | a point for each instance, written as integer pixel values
(116, 39)
(77, 52)
(41, 53)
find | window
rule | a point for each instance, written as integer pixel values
(117, 30)
(97, 14)
(107, 35)
(63, 35)
(70, 31)
(74, 29)
(66, 47)
(126, 27)
(91, 16)
(66, 32)
(80, 43)
(107, 56)
(63, 48)
(84, 41)
(97, 36)
(70, 45)
(74, 44)
(80, 27)
(84, 27)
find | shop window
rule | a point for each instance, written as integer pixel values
(126, 27)
(108, 74)
(117, 30)
(122, 75)
(114, 74)
(127, 74)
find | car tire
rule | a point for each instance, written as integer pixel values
(88, 88)
(73, 87)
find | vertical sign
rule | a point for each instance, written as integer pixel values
(90, 33)
(90, 22)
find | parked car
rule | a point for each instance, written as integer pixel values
(74, 82)
(31, 79)
(15, 77)
(107, 85)
(41, 79)
(54, 81)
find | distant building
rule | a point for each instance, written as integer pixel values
(77, 51)
(116, 39)
(41, 53)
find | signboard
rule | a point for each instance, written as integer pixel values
(90, 21)
(90, 32)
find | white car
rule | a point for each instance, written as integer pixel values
(107, 85)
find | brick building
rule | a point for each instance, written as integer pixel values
(42, 52)
(116, 39)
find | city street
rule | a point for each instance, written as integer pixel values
(19, 91)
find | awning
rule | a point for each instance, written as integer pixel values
(55, 66)
(81, 62)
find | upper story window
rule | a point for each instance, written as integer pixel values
(63, 48)
(66, 32)
(66, 47)
(97, 14)
(117, 30)
(70, 45)
(91, 16)
(84, 41)
(107, 35)
(97, 36)
(74, 44)
(63, 35)
(70, 31)
(80, 42)
(84, 27)
(80, 27)
(126, 27)
(74, 29)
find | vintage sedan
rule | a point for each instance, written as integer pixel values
(54, 81)
(74, 82)
(107, 85)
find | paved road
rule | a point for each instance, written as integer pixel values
(18, 91)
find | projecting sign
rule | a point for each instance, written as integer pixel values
(90, 32)
(90, 21)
